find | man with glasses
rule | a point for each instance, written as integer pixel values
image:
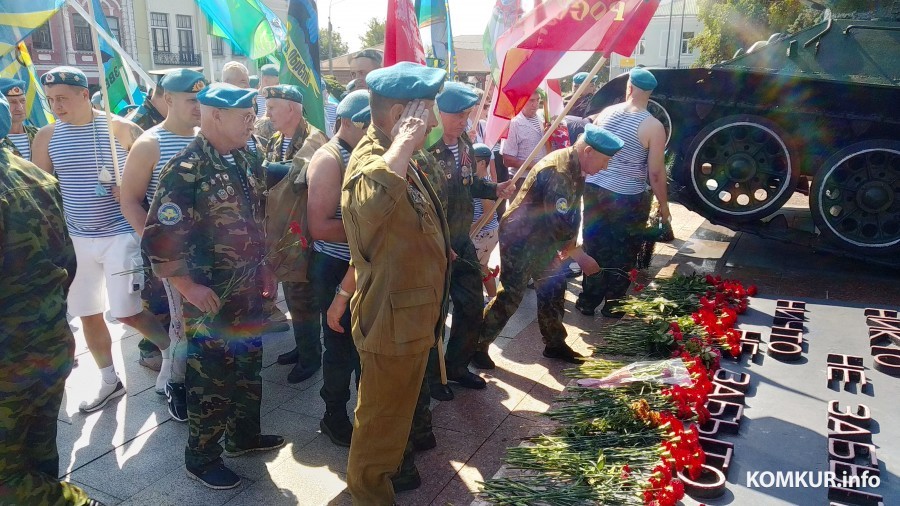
(205, 234)
(364, 62)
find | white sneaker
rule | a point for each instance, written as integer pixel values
(107, 391)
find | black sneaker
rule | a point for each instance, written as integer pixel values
(482, 360)
(302, 373)
(406, 481)
(215, 476)
(584, 309)
(469, 379)
(564, 353)
(611, 312)
(440, 392)
(426, 443)
(176, 401)
(264, 442)
(338, 428)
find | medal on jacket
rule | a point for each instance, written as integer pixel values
(99, 190)
(104, 176)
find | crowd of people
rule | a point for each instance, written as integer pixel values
(182, 219)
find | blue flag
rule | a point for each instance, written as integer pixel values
(18, 18)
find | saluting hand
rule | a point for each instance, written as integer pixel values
(413, 123)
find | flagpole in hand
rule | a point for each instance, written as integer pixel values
(486, 216)
(103, 91)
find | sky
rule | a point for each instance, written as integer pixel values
(349, 17)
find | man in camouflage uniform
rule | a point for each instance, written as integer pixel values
(295, 137)
(205, 235)
(37, 265)
(455, 182)
(537, 233)
(152, 112)
(20, 135)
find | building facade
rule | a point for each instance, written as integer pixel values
(666, 42)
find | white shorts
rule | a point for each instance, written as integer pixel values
(107, 262)
(485, 241)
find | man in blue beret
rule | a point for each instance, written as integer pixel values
(37, 264)
(151, 113)
(616, 201)
(583, 104)
(140, 178)
(205, 235)
(77, 150)
(268, 76)
(20, 135)
(294, 140)
(331, 266)
(456, 184)
(399, 245)
(537, 234)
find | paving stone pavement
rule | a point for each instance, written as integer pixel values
(131, 452)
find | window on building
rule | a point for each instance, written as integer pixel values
(113, 23)
(159, 23)
(185, 34)
(40, 37)
(82, 34)
(218, 46)
(236, 51)
(640, 49)
(686, 42)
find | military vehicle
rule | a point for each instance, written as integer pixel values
(816, 111)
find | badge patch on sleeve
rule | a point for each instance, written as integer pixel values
(170, 214)
(562, 205)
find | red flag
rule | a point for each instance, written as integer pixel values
(557, 26)
(401, 34)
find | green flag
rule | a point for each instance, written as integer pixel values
(248, 24)
(300, 59)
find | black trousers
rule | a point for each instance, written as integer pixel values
(614, 225)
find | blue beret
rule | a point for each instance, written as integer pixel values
(406, 81)
(5, 117)
(602, 140)
(97, 98)
(456, 97)
(226, 96)
(254, 81)
(283, 91)
(65, 75)
(12, 87)
(363, 116)
(353, 103)
(183, 81)
(642, 78)
(269, 69)
(579, 77)
(482, 150)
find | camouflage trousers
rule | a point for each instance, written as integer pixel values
(520, 260)
(224, 391)
(466, 292)
(305, 320)
(614, 226)
(31, 391)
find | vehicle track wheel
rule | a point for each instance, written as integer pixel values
(659, 112)
(855, 197)
(741, 168)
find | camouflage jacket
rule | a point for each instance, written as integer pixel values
(206, 222)
(37, 261)
(456, 186)
(304, 131)
(548, 207)
(7, 143)
(146, 116)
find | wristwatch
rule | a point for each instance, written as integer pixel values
(339, 290)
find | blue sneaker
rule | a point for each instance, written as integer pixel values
(215, 476)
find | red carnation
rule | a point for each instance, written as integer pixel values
(294, 227)
(751, 290)
(632, 275)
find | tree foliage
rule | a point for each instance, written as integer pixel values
(374, 33)
(729, 25)
(334, 87)
(338, 46)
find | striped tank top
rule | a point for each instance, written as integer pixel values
(169, 146)
(285, 144)
(22, 144)
(260, 106)
(78, 153)
(339, 250)
(627, 171)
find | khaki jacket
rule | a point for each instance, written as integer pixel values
(399, 244)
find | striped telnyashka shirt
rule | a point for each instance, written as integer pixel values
(22, 144)
(78, 153)
(627, 171)
(339, 250)
(169, 146)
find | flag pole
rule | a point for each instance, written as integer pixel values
(486, 216)
(111, 41)
(488, 87)
(102, 79)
